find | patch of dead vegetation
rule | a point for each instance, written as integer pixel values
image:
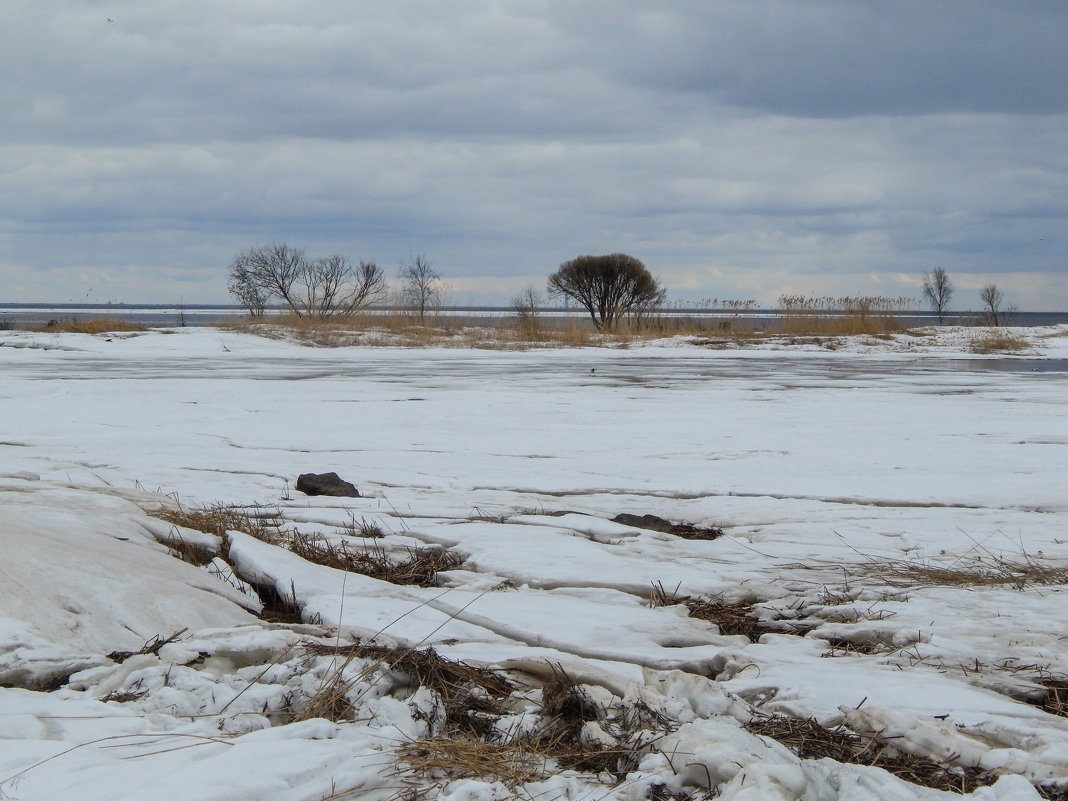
(152, 646)
(124, 696)
(731, 618)
(421, 568)
(809, 740)
(192, 552)
(277, 606)
(686, 531)
(573, 732)
(433, 759)
(998, 340)
(1055, 698)
(988, 570)
(838, 646)
(259, 521)
(471, 697)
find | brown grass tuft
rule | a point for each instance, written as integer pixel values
(981, 571)
(730, 618)
(445, 758)
(420, 569)
(330, 702)
(685, 531)
(1055, 698)
(262, 522)
(277, 606)
(470, 745)
(809, 740)
(471, 697)
(998, 340)
(191, 552)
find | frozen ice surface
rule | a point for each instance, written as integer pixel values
(833, 473)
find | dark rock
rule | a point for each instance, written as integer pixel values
(654, 523)
(326, 484)
(650, 522)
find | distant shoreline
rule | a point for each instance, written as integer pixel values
(170, 314)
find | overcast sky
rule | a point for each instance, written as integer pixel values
(739, 149)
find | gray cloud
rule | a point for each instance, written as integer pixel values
(737, 148)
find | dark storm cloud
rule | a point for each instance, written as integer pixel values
(845, 58)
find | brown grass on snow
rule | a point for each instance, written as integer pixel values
(809, 740)
(730, 618)
(980, 571)
(998, 340)
(261, 522)
(420, 568)
(470, 696)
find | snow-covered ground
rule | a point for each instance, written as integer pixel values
(841, 472)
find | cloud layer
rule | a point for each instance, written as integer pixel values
(738, 149)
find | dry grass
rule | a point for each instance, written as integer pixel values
(153, 647)
(809, 740)
(685, 531)
(1052, 792)
(331, 702)
(979, 571)
(191, 552)
(841, 647)
(262, 522)
(366, 529)
(445, 758)
(470, 745)
(399, 329)
(1055, 698)
(729, 618)
(847, 316)
(277, 606)
(101, 325)
(420, 568)
(472, 698)
(998, 340)
(803, 318)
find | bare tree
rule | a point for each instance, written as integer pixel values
(526, 305)
(267, 271)
(321, 288)
(992, 299)
(334, 287)
(422, 285)
(246, 287)
(369, 286)
(937, 290)
(609, 287)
